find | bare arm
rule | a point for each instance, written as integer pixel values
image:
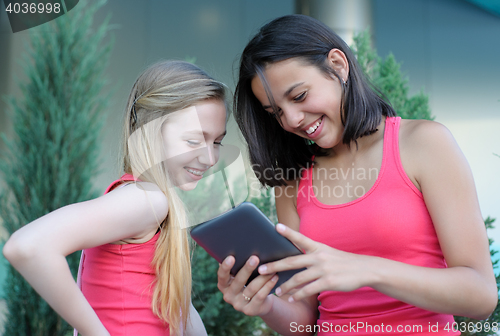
(195, 326)
(467, 287)
(434, 161)
(38, 250)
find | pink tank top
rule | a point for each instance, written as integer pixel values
(118, 281)
(389, 221)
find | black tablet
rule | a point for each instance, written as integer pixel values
(242, 232)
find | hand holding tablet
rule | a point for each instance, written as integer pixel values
(242, 232)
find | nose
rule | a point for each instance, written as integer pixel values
(208, 156)
(292, 117)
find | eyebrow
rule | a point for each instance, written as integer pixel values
(205, 134)
(287, 92)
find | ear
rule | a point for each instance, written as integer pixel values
(338, 61)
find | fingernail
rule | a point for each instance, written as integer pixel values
(253, 262)
(227, 261)
(275, 278)
(262, 269)
(290, 299)
(278, 291)
(280, 227)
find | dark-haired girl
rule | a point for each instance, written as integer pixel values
(385, 209)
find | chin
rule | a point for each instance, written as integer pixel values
(188, 186)
(328, 143)
(324, 146)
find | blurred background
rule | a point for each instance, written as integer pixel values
(448, 49)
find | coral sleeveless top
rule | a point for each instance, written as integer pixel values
(118, 281)
(389, 221)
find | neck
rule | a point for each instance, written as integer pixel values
(361, 145)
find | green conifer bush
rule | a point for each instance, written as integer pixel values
(53, 156)
(386, 76)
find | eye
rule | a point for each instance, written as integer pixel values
(218, 141)
(193, 142)
(300, 97)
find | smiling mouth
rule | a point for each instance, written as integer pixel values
(314, 127)
(195, 172)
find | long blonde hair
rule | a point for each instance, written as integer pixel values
(163, 88)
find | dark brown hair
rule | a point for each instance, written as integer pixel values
(272, 149)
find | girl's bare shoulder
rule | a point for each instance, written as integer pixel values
(425, 147)
(424, 137)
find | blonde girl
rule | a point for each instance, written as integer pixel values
(135, 274)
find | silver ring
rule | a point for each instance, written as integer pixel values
(246, 297)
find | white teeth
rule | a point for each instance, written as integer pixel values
(195, 172)
(313, 127)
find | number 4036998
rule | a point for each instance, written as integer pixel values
(471, 326)
(33, 8)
